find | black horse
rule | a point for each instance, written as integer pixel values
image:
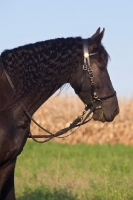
(30, 74)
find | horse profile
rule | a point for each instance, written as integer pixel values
(30, 74)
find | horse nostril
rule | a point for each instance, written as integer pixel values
(116, 111)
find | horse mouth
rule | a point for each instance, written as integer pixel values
(102, 118)
(99, 115)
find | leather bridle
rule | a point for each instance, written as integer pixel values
(87, 68)
(89, 108)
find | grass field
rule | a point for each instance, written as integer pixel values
(55, 171)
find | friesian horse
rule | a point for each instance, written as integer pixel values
(30, 74)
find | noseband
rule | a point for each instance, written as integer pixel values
(87, 68)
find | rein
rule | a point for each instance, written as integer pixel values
(88, 110)
(79, 121)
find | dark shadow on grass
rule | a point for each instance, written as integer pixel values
(46, 194)
(59, 194)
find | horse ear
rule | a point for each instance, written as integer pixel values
(96, 33)
(96, 39)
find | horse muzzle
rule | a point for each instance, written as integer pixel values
(100, 115)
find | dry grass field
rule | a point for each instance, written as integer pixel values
(59, 111)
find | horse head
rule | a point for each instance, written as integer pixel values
(92, 82)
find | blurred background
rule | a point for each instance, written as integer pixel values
(23, 22)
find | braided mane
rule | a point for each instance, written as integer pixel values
(42, 64)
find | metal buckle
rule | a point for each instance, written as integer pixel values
(85, 67)
(96, 96)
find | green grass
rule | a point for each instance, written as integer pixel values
(55, 171)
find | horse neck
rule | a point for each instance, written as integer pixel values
(38, 70)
